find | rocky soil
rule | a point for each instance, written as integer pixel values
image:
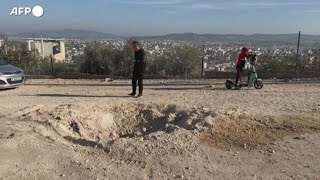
(180, 129)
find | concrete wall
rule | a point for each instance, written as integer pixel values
(46, 49)
(62, 55)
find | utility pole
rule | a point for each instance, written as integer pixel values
(202, 69)
(297, 59)
(42, 47)
(5, 49)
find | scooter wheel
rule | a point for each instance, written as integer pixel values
(229, 84)
(258, 84)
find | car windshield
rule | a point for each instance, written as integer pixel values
(2, 62)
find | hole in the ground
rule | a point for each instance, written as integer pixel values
(124, 121)
(74, 127)
(83, 125)
(144, 120)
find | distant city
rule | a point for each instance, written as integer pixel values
(219, 51)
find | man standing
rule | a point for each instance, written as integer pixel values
(139, 68)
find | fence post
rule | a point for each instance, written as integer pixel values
(52, 70)
(297, 58)
(202, 68)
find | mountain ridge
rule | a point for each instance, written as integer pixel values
(257, 39)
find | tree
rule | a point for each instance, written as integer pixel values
(95, 59)
(17, 53)
(104, 59)
(277, 64)
(114, 60)
(181, 61)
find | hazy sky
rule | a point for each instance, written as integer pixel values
(151, 17)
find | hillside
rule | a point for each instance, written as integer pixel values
(66, 33)
(262, 40)
(259, 39)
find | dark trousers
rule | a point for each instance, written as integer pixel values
(239, 72)
(137, 77)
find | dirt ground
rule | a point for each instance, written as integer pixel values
(180, 129)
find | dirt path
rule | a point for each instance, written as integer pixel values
(72, 129)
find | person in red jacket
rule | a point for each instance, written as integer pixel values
(241, 63)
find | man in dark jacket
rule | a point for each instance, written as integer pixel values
(139, 68)
(241, 64)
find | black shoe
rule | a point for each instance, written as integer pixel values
(132, 94)
(140, 95)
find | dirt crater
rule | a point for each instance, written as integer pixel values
(91, 125)
(133, 120)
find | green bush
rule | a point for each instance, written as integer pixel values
(181, 61)
(279, 64)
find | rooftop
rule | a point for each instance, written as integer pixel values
(37, 39)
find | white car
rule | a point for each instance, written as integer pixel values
(10, 76)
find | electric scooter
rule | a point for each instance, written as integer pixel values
(253, 80)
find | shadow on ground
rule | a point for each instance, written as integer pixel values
(83, 142)
(123, 84)
(77, 95)
(189, 88)
(8, 89)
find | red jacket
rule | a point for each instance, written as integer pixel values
(243, 55)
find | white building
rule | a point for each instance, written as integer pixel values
(48, 47)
